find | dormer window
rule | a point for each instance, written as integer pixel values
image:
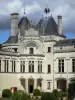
(31, 50)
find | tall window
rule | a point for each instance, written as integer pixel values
(31, 50)
(22, 66)
(13, 65)
(0, 65)
(6, 65)
(39, 66)
(48, 85)
(61, 65)
(73, 65)
(31, 66)
(49, 49)
(49, 68)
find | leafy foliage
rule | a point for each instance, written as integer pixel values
(56, 93)
(6, 93)
(19, 95)
(47, 96)
(71, 91)
(36, 92)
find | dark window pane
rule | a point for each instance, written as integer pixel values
(62, 68)
(32, 68)
(29, 68)
(49, 68)
(49, 49)
(31, 51)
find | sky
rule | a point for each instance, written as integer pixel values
(34, 10)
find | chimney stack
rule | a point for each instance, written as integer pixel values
(60, 25)
(14, 24)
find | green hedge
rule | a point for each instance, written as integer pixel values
(6, 93)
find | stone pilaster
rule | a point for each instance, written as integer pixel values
(26, 85)
(35, 83)
(55, 84)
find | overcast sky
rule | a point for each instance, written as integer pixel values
(34, 10)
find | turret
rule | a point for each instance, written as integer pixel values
(60, 25)
(14, 24)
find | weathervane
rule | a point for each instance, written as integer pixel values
(47, 10)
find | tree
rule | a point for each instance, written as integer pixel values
(56, 93)
(71, 91)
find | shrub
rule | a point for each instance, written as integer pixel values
(47, 96)
(19, 95)
(36, 92)
(71, 91)
(56, 93)
(6, 93)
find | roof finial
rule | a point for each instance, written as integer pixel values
(47, 10)
(24, 12)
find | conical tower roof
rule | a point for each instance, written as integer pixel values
(47, 26)
(23, 25)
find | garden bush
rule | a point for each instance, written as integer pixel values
(19, 95)
(56, 93)
(47, 96)
(6, 93)
(36, 92)
(71, 91)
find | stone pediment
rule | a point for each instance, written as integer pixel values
(31, 32)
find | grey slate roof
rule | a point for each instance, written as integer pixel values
(65, 42)
(12, 39)
(48, 26)
(23, 25)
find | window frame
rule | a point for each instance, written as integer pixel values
(73, 65)
(22, 66)
(13, 64)
(31, 67)
(39, 66)
(61, 65)
(48, 85)
(6, 66)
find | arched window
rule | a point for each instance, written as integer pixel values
(22, 66)
(31, 66)
(39, 66)
(31, 51)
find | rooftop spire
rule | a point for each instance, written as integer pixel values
(24, 12)
(47, 10)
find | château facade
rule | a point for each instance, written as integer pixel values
(37, 56)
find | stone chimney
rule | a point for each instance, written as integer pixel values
(14, 24)
(60, 25)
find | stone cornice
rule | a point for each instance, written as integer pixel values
(18, 55)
